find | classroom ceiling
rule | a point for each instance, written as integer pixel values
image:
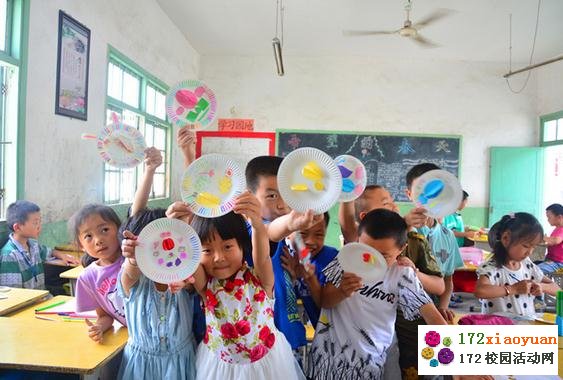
(476, 30)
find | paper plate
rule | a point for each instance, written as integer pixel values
(438, 191)
(121, 145)
(354, 177)
(363, 261)
(168, 251)
(308, 178)
(190, 102)
(211, 184)
(548, 318)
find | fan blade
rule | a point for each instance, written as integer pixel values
(424, 41)
(367, 32)
(434, 16)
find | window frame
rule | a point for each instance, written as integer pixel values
(545, 119)
(145, 79)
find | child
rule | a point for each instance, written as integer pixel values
(509, 281)
(554, 258)
(446, 252)
(309, 280)
(241, 341)
(161, 343)
(94, 228)
(22, 257)
(455, 223)
(355, 328)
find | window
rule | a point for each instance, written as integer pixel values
(551, 129)
(137, 99)
(13, 17)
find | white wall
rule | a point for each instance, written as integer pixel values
(550, 88)
(362, 94)
(62, 172)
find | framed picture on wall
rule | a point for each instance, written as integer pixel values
(73, 55)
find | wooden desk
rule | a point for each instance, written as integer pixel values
(55, 346)
(19, 298)
(72, 276)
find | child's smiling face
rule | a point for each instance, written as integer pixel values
(221, 258)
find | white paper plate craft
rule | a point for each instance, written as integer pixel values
(191, 102)
(119, 145)
(354, 177)
(363, 261)
(211, 184)
(169, 250)
(308, 178)
(438, 191)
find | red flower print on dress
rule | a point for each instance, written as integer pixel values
(264, 333)
(230, 285)
(243, 327)
(248, 309)
(269, 311)
(239, 293)
(260, 296)
(229, 331)
(211, 301)
(270, 340)
(258, 352)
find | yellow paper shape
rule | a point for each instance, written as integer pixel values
(319, 186)
(299, 187)
(207, 200)
(225, 185)
(312, 171)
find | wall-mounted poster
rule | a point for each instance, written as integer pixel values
(72, 68)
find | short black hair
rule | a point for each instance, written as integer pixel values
(418, 170)
(360, 202)
(555, 209)
(228, 226)
(382, 223)
(137, 222)
(261, 166)
(19, 211)
(326, 217)
(465, 195)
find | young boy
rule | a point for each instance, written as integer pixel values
(22, 257)
(455, 223)
(355, 328)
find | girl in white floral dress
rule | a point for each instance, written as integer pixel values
(241, 340)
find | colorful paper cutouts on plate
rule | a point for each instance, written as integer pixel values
(211, 184)
(308, 178)
(191, 102)
(363, 261)
(120, 145)
(354, 177)
(169, 250)
(438, 191)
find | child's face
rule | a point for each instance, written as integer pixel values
(463, 204)
(221, 258)
(99, 238)
(554, 220)
(387, 247)
(518, 251)
(31, 228)
(314, 237)
(378, 198)
(271, 202)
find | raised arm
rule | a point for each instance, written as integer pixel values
(249, 206)
(347, 221)
(285, 225)
(186, 141)
(131, 273)
(153, 159)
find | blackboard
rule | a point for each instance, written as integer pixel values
(387, 157)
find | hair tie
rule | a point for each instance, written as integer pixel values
(511, 214)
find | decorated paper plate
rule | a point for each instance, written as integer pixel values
(363, 261)
(548, 318)
(438, 191)
(191, 102)
(120, 145)
(308, 178)
(354, 177)
(168, 251)
(211, 184)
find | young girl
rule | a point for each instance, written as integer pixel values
(554, 258)
(241, 340)
(510, 281)
(94, 228)
(161, 343)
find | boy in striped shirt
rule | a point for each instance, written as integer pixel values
(22, 257)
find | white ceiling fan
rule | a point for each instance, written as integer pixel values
(409, 29)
